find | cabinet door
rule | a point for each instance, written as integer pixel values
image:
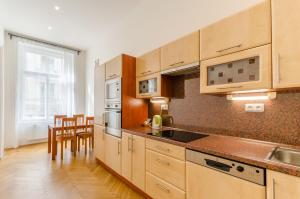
(127, 156)
(180, 52)
(148, 63)
(247, 29)
(282, 186)
(246, 70)
(286, 43)
(138, 161)
(203, 182)
(114, 68)
(113, 153)
(99, 136)
(99, 93)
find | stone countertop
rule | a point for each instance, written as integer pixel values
(243, 150)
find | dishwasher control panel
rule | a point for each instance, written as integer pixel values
(244, 171)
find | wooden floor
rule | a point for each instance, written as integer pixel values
(29, 173)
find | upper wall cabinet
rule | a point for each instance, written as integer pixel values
(247, 29)
(148, 63)
(286, 43)
(114, 68)
(180, 52)
(246, 70)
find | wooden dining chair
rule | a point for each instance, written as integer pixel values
(87, 134)
(58, 119)
(68, 132)
(80, 120)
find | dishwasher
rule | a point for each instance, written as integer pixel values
(212, 177)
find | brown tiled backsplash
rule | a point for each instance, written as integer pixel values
(214, 114)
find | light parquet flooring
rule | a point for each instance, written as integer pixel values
(29, 173)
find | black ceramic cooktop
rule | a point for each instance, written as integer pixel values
(180, 136)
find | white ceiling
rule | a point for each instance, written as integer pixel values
(115, 26)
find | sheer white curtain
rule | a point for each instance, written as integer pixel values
(44, 87)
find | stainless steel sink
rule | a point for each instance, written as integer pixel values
(287, 156)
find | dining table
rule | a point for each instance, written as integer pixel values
(52, 132)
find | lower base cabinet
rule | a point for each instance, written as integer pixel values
(159, 189)
(206, 183)
(133, 159)
(99, 140)
(113, 152)
(282, 186)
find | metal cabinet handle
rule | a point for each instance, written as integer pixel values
(230, 87)
(129, 145)
(236, 46)
(278, 68)
(162, 148)
(132, 145)
(119, 150)
(181, 62)
(274, 188)
(163, 162)
(149, 71)
(165, 189)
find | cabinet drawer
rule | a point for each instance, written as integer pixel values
(167, 149)
(245, 70)
(167, 168)
(246, 29)
(159, 189)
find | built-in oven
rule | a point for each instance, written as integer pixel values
(113, 118)
(113, 90)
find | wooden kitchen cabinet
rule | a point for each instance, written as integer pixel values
(180, 52)
(286, 43)
(159, 189)
(99, 141)
(244, 30)
(166, 168)
(282, 186)
(133, 159)
(113, 152)
(148, 63)
(154, 85)
(246, 70)
(114, 68)
(99, 93)
(203, 182)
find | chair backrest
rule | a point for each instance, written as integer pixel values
(58, 119)
(79, 118)
(89, 121)
(69, 125)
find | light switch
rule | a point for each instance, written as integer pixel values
(255, 108)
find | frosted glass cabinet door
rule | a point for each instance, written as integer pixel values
(245, 70)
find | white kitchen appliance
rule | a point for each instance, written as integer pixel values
(217, 178)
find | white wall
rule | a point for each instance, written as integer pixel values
(1, 93)
(154, 23)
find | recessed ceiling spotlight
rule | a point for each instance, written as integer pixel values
(49, 27)
(56, 8)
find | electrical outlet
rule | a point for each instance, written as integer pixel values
(164, 107)
(255, 108)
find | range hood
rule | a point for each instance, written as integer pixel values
(183, 70)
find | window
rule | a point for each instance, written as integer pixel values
(46, 82)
